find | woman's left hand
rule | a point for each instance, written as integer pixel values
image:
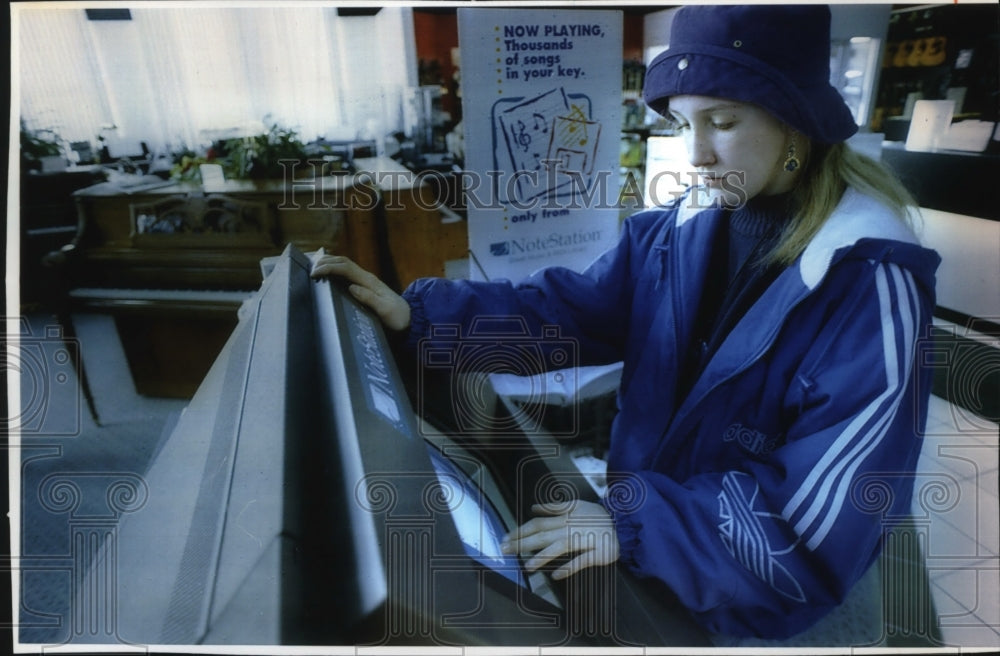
(586, 530)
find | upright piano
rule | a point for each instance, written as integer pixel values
(300, 500)
(172, 261)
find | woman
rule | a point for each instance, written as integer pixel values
(767, 323)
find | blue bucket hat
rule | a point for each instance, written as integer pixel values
(775, 56)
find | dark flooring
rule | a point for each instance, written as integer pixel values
(76, 477)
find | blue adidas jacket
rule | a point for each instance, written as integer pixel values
(760, 498)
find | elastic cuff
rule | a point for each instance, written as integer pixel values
(627, 531)
(418, 318)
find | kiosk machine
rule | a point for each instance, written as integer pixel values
(301, 501)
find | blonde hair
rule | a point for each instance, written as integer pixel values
(831, 169)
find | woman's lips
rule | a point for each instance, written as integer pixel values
(711, 180)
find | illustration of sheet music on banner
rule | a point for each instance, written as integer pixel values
(546, 134)
(541, 108)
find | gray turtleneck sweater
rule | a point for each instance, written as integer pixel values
(738, 274)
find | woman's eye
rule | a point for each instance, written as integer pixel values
(723, 125)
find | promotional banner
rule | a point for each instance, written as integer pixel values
(541, 107)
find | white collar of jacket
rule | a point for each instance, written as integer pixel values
(857, 216)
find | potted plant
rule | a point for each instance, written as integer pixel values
(260, 157)
(186, 165)
(41, 150)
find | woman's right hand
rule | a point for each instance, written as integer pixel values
(365, 286)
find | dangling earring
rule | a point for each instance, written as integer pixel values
(792, 162)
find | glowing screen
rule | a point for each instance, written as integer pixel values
(479, 526)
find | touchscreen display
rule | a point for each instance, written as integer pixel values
(478, 523)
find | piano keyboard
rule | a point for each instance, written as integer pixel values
(172, 300)
(153, 295)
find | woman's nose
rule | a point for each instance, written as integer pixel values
(700, 151)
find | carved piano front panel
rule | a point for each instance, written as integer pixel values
(202, 221)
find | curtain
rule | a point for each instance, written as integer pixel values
(176, 77)
(59, 81)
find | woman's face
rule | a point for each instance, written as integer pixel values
(738, 149)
